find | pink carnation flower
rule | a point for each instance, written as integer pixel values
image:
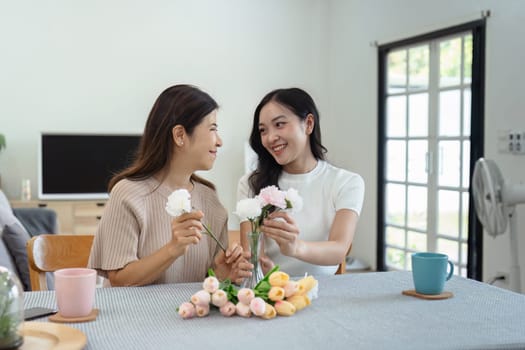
(228, 309)
(187, 310)
(202, 297)
(272, 195)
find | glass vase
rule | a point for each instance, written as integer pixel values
(11, 310)
(254, 240)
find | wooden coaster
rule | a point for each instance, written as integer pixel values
(413, 293)
(61, 319)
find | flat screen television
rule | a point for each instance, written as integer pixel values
(79, 166)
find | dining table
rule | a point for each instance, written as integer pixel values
(351, 311)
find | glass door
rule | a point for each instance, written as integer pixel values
(425, 151)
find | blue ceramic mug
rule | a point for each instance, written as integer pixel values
(429, 271)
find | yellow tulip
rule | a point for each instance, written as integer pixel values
(300, 289)
(278, 279)
(276, 293)
(284, 308)
(269, 312)
(308, 283)
(299, 301)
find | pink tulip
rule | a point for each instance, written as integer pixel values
(245, 295)
(187, 310)
(219, 298)
(202, 297)
(284, 308)
(243, 309)
(210, 284)
(202, 310)
(291, 288)
(258, 306)
(228, 309)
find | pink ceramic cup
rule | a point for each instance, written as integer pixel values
(75, 291)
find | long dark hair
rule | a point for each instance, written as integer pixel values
(183, 105)
(301, 104)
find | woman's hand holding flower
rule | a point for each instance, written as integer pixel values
(281, 227)
(179, 204)
(232, 264)
(185, 230)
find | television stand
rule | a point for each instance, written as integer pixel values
(79, 217)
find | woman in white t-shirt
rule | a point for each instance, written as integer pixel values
(287, 139)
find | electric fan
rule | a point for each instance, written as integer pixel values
(495, 202)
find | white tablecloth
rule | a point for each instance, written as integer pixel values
(353, 311)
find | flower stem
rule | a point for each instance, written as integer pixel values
(208, 231)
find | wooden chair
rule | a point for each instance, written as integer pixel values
(342, 266)
(48, 253)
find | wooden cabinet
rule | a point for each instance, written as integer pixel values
(74, 217)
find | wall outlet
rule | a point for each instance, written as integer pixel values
(502, 277)
(511, 141)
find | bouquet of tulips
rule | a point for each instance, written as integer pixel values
(274, 295)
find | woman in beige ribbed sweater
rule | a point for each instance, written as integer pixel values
(137, 242)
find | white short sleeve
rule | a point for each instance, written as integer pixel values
(351, 193)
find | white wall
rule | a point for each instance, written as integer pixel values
(353, 93)
(97, 66)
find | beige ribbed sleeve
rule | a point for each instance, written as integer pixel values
(135, 224)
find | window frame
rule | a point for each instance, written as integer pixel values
(475, 230)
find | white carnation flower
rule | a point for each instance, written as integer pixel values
(179, 202)
(296, 201)
(248, 208)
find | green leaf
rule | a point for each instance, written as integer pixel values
(264, 287)
(267, 276)
(229, 288)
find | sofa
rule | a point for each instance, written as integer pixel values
(17, 226)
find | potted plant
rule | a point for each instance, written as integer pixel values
(11, 310)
